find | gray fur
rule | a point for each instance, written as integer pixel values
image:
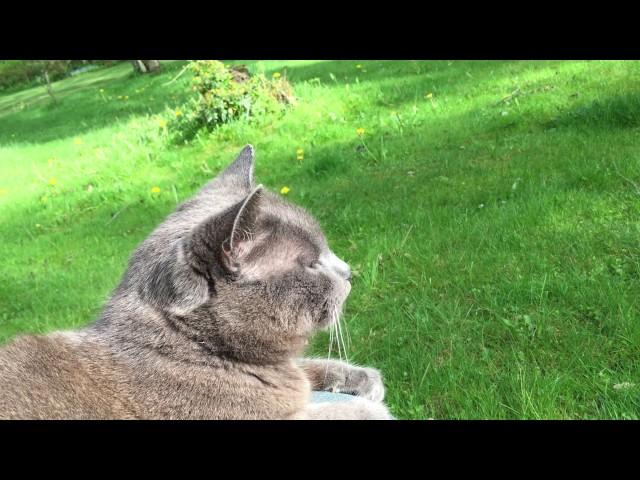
(209, 322)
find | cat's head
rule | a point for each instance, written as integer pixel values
(241, 268)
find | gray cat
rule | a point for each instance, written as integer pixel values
(208, 322)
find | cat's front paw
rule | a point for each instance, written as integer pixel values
(360, 381)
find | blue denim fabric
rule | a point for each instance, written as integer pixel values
(318, 397)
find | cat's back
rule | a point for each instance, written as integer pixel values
(63, 375)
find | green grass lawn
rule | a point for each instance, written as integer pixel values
(490, 211)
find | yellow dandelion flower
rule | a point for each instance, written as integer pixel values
(284, 190)
(126, 97)
(358, 66)
(429, 95)
(178, 113)
(163, 123)
(300, 151)
(77, 141)
(53, 181)
(360, 131)
(120, 97)
(38, 225)
(155, 190)
(276, 75)
(300, 157)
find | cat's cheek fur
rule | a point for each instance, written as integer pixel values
(340, 290)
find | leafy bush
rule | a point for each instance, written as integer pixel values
(224, 94)
(16, 72)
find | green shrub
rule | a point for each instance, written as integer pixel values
(17, 72)
(224, 94)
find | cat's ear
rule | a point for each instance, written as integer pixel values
(213, 249)
(240, 172)
(222, 241)
(243, 231)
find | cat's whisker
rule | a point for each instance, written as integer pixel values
(347, 334)
(326, 370)
(335, 321)
(334, 324)
(344, 348)
(344, 352)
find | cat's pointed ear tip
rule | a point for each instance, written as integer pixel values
(240, 171)
(249, 149)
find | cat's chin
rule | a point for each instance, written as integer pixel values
(326, 326)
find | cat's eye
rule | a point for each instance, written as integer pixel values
(306, 262)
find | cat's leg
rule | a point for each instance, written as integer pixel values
(341, 377)
(356, 409)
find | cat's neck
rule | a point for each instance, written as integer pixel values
(147, 333)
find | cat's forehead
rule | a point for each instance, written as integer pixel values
(293, 219)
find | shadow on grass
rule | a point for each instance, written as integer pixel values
(82, 107)
(342, 72)
(614, 112)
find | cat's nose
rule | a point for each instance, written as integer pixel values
(344, 271)
(339, 266)
(348, 275)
